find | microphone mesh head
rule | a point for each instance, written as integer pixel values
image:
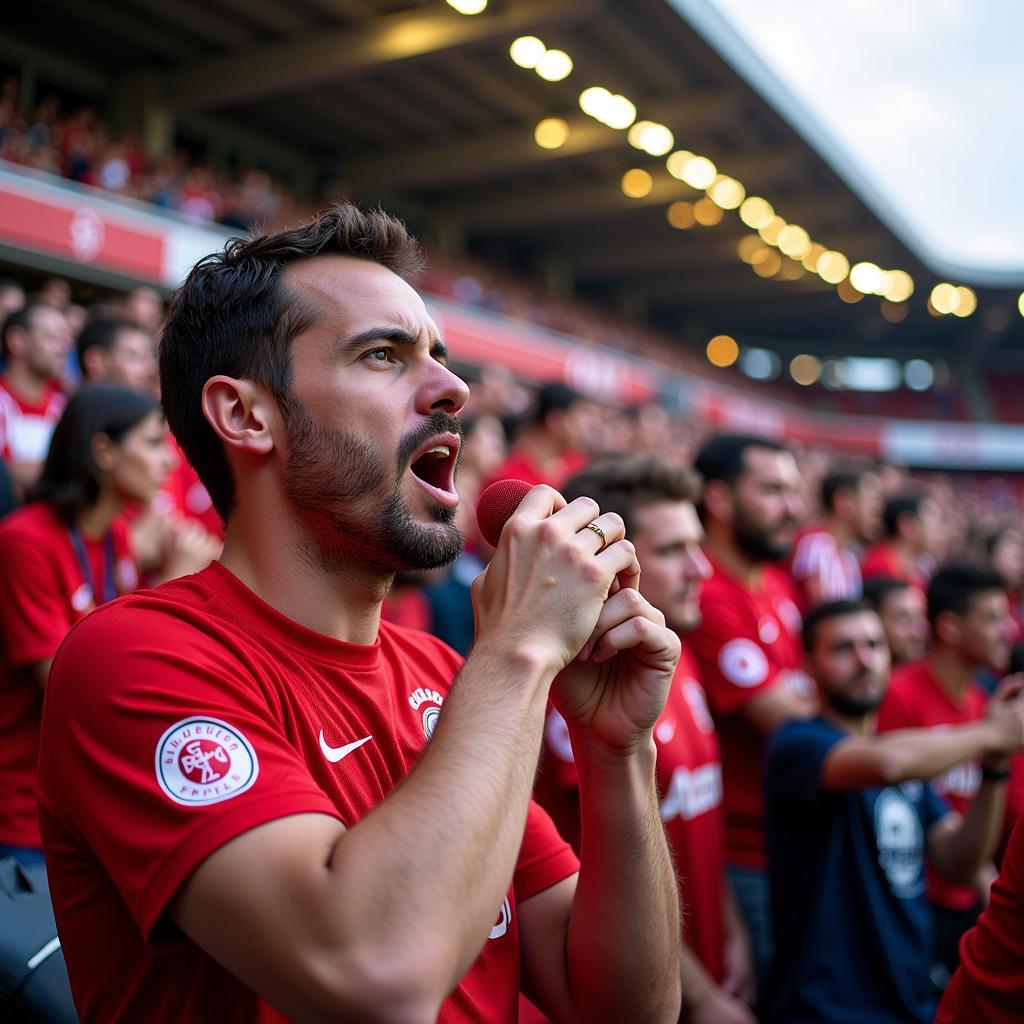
(496, 505)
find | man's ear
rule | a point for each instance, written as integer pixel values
(92, 363)
(948, 628)
(242, 413)
(719, 500)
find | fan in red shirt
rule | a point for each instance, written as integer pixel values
(178, 532)
(656, 501)
(912, 540)
(902, 607)
(62, 554)
(988, 987)
(274, 806)
(548, 447)
(35, 341)
(748, 644)
(823, 562)
(971, 630)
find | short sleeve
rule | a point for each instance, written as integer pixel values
(808, 556)
(795, 759)
(34, 610)
(545, 858)
(159, 747)
(733, 664)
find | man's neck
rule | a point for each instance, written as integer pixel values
(343, 605)
(720, 546)
(840, 532)
(951, 672)
(24, 383)
(540, 447)
(855, 725)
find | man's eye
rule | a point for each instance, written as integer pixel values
(379, 355)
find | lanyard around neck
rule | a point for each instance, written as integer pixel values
(109, 585)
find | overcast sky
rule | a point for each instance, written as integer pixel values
(925, 98)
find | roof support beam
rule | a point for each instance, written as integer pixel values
(317, 57)
(497, 154)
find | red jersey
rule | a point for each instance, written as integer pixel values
(26, 427)
(519, 466)
(191, 499)
(817, 557)
(1014, 798)
(916, 700)
(43, 593)
(689, 772)
(182, 717)
(988, 987)
(884, 559)
(747, 643)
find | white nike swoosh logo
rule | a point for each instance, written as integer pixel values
(335, 754)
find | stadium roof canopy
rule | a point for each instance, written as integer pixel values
(419, 107)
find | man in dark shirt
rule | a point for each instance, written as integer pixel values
(850, 820)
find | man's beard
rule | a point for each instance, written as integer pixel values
(329, 477)
(853, 707)
(755, 542)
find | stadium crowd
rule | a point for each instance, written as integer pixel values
(78, 143)
(828, 870)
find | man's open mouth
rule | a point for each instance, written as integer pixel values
(434, 467)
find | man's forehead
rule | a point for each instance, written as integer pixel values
(851, 627)
(676, 517)
(354, 292)
(768, 460)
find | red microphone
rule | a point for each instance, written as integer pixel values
(496, 505)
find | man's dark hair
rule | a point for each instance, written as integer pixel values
(624, 485)
(955, 586)
(878, 588)
(896, 508)
(236, 315)
(829, 610)
(554, 398)
(837, 481)
(70, 481)
(724, 456)
(20, 318)
(101, 333)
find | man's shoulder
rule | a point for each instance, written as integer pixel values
(160, 619)
(801, 731)
(29, 522)
(910, 680)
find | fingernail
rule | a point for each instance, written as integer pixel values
(585, 652)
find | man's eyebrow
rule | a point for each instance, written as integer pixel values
(392, 334)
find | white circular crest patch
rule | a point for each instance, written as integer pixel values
(744, 663)
(203, 761)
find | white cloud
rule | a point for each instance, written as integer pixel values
(924, 99)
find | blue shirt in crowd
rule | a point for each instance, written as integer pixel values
(853, 933)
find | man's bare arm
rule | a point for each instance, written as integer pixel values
(960, 846)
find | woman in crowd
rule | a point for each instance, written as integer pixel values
(64, 552)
